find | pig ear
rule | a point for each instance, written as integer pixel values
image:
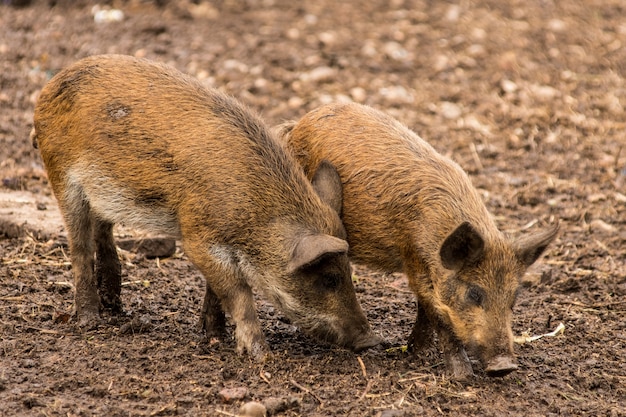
(530, 248)
(310, 249)
(327, 185)
(463, 246)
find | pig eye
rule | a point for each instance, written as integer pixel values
(475, 295)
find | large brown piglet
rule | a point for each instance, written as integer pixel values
(406, 208)
(129, 141)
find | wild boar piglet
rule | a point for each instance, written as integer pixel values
(407, 208)
(134, 142)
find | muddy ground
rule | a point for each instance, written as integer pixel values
(527, 95)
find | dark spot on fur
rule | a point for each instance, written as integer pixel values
(151, 198)
(119, 113)
(116, 110)
(164, 158)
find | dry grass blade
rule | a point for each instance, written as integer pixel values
(526, 338)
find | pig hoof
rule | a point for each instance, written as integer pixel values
(259, 352)
(112, 303)
(459, 367)
(88, 321)
(500, 366)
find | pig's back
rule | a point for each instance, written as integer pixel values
(358, 138)
(397, 188)
(158, 138)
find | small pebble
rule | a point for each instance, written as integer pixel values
(106, 15)
(395, 51)
(508, 86)
(396, 95)
(358, 94)
(230, 394)
(392, 413)
(276, 405)
(327, 38)
(253, 409)
(450, 110)
(319, 75)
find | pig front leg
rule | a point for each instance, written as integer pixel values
(422, 335)
(239, 302)
(228, 291)
(455, 358)
(108, 267)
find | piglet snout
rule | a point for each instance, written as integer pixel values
(500, 366)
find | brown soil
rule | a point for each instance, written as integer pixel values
(528, 96)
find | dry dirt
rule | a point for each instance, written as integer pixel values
(527, 95)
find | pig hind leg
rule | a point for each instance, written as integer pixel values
(212, 318)
(108, 267)
(79, 222)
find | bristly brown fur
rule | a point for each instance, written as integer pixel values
(406, 208)
(126, 140)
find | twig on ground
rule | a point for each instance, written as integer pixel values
(476, 157)
(367, 388)
(47, 331)
(358, 358)
(263, 377)
(13, 298)
(596, 305)
(306, 390)
(167, 408)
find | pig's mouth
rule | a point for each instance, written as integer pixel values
(356, 338)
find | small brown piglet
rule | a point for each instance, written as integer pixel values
(406, 208)
(129, 141)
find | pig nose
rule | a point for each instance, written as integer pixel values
(366, 341)
(500, 366)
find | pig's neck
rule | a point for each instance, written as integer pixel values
(441, 214)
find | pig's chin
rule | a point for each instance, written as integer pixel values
(354, 338)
